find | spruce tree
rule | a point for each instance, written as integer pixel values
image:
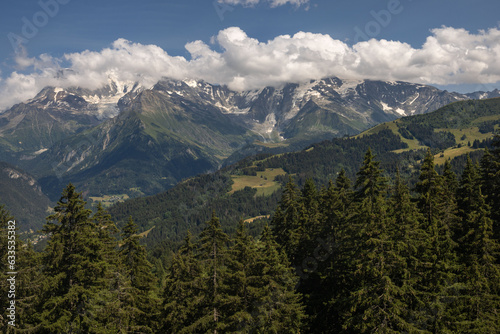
(309, 230)
(370, 184)
(310, 218)
(449, 205)
(438, 263)
(183, 292)
(333, 257)
(478, 308)
(73, 266)
(490, 177)
(286, 221)
(278, 309)
(429, 188)
(343, 184)
(241, 281)
(213, 253)
(106, 230)
(450, 177)
(377, 299)
(138, 270)
(28, 288)
(408, 237)
(468, 196)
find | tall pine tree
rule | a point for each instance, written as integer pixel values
(213, 252)
(490, 177)
(279, 308)
(438, 259)
(242, 289)
(377, 299)
(478, 308)
(183, 292)
(74, 267)
(138, 271)
(286, 221)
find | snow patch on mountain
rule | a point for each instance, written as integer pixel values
(401, 111)
(385, 106)
(104, 102)
(191, 83)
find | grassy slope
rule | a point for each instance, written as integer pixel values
(263, 181)
(462, 125)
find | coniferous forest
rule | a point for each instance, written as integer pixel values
(369, 255)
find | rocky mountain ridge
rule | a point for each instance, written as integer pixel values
(125, 138)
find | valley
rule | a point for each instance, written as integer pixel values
(151, 139)
(239, 189)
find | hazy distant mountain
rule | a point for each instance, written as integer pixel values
(124, 138)
(23, 197)
(481, 95)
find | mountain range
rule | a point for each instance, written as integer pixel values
(250, 189)
(125, 139)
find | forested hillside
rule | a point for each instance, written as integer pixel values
(382, 232)
(356, 256)
(190, 203)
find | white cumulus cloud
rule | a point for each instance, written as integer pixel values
(449, 56)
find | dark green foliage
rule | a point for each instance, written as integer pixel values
(79, 284)
(213, 254)
(427, 136)
(396, 263)
(74, 267)
(279, 308)
(377, 299)
(450, 179)
(409, 238)
(106, 231)
(28, 287)
(247, 287)
(456, 115)
(405, 133)
(242, 278)
(478, 307)
(286, 221)
(5, 217)
(438, 258)
(324, 160)
(488, 126)
(183, 290)
(138, 271)
(188, 206)
(369, 259)
(490, 176)
(370, 184)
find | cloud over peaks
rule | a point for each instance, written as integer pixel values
(449, 56)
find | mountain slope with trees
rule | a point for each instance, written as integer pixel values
(190, 203)
(351, 257)
(126, 140)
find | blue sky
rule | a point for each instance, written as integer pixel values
(55, 28)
